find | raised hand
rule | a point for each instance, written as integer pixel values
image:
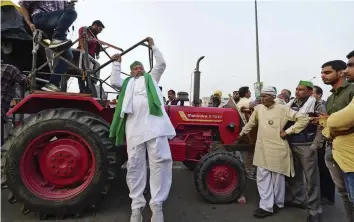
(117, 57)
(150, 41)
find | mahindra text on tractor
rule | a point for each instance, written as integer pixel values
(58, 159)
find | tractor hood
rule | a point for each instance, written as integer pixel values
(227, 120)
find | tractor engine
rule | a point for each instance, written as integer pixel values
(191, 143)
(197, 128)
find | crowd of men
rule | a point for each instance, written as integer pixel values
(305, 145)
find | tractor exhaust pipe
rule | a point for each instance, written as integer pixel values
(196, 90)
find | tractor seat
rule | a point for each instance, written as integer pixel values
(182, 97)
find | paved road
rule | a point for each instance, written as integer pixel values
(184, 205)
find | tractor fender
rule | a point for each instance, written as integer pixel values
(40, 100)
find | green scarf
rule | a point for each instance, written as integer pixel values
(117, 130)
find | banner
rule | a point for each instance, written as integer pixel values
(257, 89)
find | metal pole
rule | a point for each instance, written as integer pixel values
(196, 85)
(191, 87)
(257, 42)
(312, 78)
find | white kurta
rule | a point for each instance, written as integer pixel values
(146, 133)
(244, 102)
(141, 126)
(273, 152)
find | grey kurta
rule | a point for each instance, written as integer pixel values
(272, 152)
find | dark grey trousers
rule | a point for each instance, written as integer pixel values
(337, 177)
(305, 186)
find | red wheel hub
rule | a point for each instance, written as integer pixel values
(57, 169)
(64, 162)
(222, 179)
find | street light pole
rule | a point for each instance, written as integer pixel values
(257, 42)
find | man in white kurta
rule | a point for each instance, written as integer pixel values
(145, 132)
(273, 156)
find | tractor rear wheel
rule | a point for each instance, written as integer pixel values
(60, 162)
(219, 177)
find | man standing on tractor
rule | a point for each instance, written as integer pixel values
(272, 156)
(94, 49)
(54, 18)
(92, 33)
(140, 117)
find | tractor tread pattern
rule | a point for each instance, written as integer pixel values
(200, 175)
(111, 162)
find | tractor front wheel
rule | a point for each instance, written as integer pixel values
(219, 177)
(59, 162)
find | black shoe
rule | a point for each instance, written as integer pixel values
(316, 218)
(59, 44)
(260, 213)
(296, 205)
(276, 208)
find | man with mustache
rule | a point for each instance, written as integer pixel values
(272, 154)
(140, 117)
(304, 146)
(342, 94)
(340, 128)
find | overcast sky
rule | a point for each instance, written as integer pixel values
(296, 38)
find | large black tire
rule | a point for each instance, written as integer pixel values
(93, 129)
(204, 167)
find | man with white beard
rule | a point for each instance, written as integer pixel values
(140, 117)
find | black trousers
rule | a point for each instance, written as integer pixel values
(327, 184)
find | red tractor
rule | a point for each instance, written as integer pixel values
(60, 160)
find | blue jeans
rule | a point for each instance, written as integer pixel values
(55, 24)
(61, 68)
(349, 184)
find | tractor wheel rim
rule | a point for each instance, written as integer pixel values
(59, 169)
(222, 179)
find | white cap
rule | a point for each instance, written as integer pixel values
(270, 90)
